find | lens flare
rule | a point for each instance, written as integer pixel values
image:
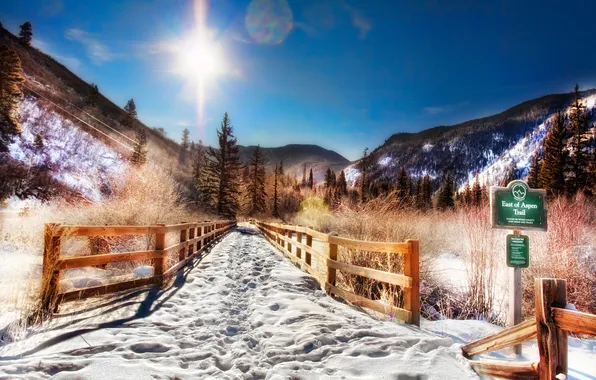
(268, 21)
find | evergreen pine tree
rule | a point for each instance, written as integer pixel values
(403, 187)
(275, 196)
(509, 175)
(26, 34)
(427, 193)
(10, 96)
(38, 142)
(342, 184)
(363, 177)
(476, 192)
(131, 114)
(184, 147)
(467, 196)
(552, 170)
(281, 168)
(197, 155)
(329, 178)
(419, 194)
(256, 182)
(445, 199)
(222, 169)
(534, 174)
(139, 155)
(577, 180)
(311, 182)
(93, 97)
(304, 179)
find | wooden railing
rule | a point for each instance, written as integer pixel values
(194, 238)
(282, 236)
(550, 326)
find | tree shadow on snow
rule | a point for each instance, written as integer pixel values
(154, 300)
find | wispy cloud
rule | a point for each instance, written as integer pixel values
(97, 51)
(310, 30)
(359, 22)
(184, 123)
(70, 62)
(433, 110)
(52, 7)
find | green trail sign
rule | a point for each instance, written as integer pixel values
(518, 251)
(517, 207)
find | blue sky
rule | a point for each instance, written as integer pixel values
(343, 74)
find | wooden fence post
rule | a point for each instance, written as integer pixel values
(412, 269)
(307, 257)
(289, 234)
(298, 249)
(331, 272)
(50, 277)
(191, 235)
(183, 237)
(552, 341)
(159, 264)
(199, 234)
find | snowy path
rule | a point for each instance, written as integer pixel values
(243, 312)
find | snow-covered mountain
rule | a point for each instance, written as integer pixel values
(487, 146)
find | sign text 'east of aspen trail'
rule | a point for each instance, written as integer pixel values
(518, 207)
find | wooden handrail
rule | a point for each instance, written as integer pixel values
(508, 337)
(281, 236)
(575, 321)
(190, 246)
(506, 370)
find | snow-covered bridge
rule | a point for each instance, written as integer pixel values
(242, 312)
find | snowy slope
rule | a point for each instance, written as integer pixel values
(76, 158)
(521, 153)
(244, 312)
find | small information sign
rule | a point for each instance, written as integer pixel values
(518, 251)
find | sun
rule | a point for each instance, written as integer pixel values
(199, 58)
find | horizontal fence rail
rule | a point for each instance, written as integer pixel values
(301, 251)
(194, 239)
(550, 327)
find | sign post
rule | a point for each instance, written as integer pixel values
(517, 207)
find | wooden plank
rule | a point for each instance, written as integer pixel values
(88, 261)
(575, 321)
(404, 315)
(552, 341)
(66, 230)
(71, 230)
(374, 274)
(105, 289)
(412, 270)
(317, 235)
(373, 246)
(506, 370)
(306, 248)
(508, 337)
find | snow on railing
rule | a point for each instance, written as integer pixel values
(282, 236)
(194, 238)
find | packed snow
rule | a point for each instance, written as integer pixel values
(76, 158)
(243, 312)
